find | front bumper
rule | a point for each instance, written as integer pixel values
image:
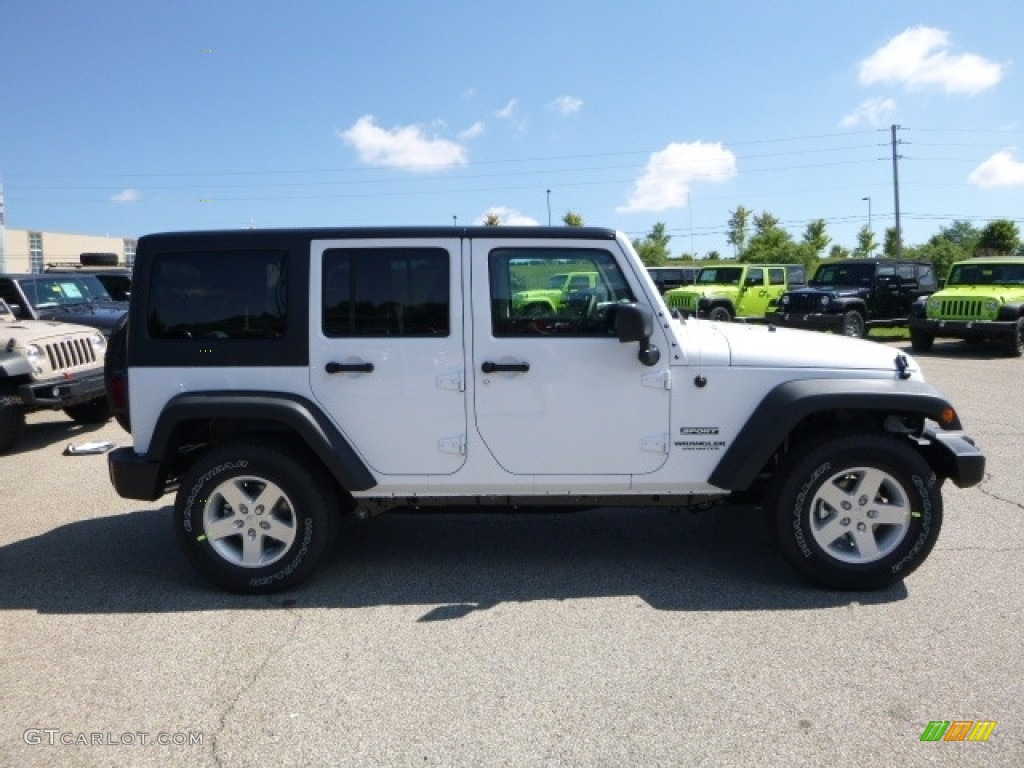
(963, 329)
(813, 321)
(60, 393)
(954, 455)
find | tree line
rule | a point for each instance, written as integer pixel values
(761, 239)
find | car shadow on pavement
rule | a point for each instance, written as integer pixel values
(957, 349)
(451, 564)
(41, 434)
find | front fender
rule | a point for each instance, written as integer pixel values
(788, 404)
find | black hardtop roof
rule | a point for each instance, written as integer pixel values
(268, 236)
(874, 261)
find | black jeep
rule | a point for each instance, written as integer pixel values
(851, 295)
(67, 298)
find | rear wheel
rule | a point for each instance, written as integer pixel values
(921, 341)
(857, 512)
(252, 518)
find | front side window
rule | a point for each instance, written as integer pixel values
(370, 292)
(776, 276)
(555, 292)
(219, 295)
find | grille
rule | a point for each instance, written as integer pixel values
(70, 353)
(686, 301)
(968, 308)
(799, 302)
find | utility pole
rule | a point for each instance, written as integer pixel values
(549, 207)
(896, 190)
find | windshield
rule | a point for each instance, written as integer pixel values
(847, 274)
(720, 276)
(986, 274)
(63, 291)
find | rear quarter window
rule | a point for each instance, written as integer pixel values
(218, 295)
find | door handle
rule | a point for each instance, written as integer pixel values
(349, 367)
(489, 367)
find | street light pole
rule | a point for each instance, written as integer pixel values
(549, 207)
(869, 217)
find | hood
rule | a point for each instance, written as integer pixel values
(762, 346)
(18, 334)
(103, 316)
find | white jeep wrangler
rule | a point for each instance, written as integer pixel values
(278, 379)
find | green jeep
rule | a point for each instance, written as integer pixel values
(745, 291)
(554, 296)
(983, 299)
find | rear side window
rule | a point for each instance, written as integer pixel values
(370, 292)
(218, 295)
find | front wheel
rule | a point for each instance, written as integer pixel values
(1013, 345)
(251, 518)
(853, 324)
(94, 411)
(12, 421)
(857, 512)
(720, 315)
(921, 341)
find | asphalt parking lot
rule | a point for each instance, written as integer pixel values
(608, 638)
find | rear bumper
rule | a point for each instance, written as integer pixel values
(954, 455)
(135, 477)
(60, 393)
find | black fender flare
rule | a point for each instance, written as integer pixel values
(789, 403)
(295, 413)
(1011, 311)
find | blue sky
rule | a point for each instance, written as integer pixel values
(133, 117)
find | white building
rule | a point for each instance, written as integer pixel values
(28, 250)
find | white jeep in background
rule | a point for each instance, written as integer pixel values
(48, 365)
(276, 379)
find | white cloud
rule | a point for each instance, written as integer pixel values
(474, 131)
(1000, 170)
(127, 196)
(666, 181)
(921, 56)
(508, 110)
(566, 105)
(509, 217)
(407, 147)
(873, 111)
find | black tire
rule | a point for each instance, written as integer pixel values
(90, 412)
(853, 324)
(842, 535)
(921, 341)
(289, 538)
(12, 422)
(115, 372)
(1013, 345)
(720, 315)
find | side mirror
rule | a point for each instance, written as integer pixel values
(634, 322)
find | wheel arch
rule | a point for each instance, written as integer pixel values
(292, 418)
(797, 408)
